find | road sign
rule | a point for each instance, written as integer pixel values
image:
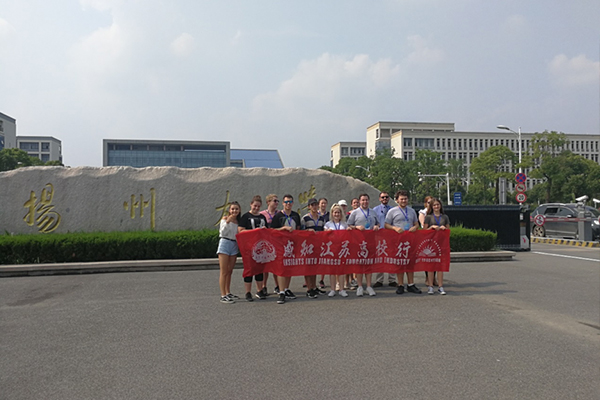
(520, 187)
(521, 177)
(457, 199)
(539, 220)
(521, 197)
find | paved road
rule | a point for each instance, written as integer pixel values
(528, 328)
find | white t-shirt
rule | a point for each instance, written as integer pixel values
(228, 230)
(332, 226)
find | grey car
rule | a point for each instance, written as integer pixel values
(560, 220)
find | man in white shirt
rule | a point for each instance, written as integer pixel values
(381, 210)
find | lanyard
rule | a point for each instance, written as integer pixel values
(288, 217)
(314, 222)
(437, 220)
(338, 226)
(367, 214)
(404, 213)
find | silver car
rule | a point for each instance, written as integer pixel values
(561, 220)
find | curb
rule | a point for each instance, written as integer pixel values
(185, 265)
(565, 242)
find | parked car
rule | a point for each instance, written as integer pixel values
(561, 220)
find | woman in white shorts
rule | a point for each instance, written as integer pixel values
(228, 251)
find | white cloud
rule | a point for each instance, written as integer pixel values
(423, 52)
(5, 28)
(326, 82)
(102, 52)
(577, 71)
(515, 23)
(183, 45)
(237, 37)
(100, 5)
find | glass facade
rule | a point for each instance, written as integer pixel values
(256, 158)
(183, 159)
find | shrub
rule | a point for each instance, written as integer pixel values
(466, 239)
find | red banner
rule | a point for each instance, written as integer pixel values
(343, 252)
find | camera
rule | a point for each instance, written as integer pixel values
(582, 198)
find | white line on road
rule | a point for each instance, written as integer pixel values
(560, 255)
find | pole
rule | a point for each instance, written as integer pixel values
(520, 151)
(448, 188)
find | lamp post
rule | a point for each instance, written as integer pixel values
(447, 175)
(506, 128)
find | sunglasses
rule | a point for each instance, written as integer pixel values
(275, 201)
(384, 197)
(288, 202)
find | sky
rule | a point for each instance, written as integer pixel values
(297, 76)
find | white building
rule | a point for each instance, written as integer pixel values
(46, 148)
(405, 138)
(347, 149)
(8, 132)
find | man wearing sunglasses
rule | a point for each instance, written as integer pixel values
(286, 220)
(381, 210)
(269, 213)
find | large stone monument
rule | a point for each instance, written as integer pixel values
(88, 199)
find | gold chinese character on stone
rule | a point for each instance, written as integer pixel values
(40, 212)
(142, 204)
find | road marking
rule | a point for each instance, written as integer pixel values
(561, 255)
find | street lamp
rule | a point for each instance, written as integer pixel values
(446, 175)
(506, 128)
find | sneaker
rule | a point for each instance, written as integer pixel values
(321, 284)
(400, 289)
(343, 293)
(413, 289)
(371, 291)
(281, 299)
(312, 294)
(393, 284)
(353, 284)
(304, 285)
(430, 290)
(276, 290)
(441, 290)
(378, 284)
(232, 296)
(289, 294)
(227, 300)
(249, 297)
(319, 291)
(331, 293)
(359, 291)
(266, 292)
(261, 295)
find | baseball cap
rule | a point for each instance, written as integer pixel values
(342, 203)
(312, 201)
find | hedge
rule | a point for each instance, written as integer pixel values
(112, 246)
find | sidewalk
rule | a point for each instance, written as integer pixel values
(184, 265)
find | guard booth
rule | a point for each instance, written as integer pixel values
(510, 222)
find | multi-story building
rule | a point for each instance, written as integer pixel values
(46, 148)
(184, 154)
(8, 132)
(405, 138)
(347, 149)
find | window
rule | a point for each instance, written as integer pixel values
(407, 142)
(1, 126)
(45, 157)
(344, 151)
(29, 146)
(424, 143)
(45, 146)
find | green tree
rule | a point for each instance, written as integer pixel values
(545, 148)
(491, 165)
(15, 158)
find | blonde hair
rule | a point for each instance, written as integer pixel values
(334, 207)
(270, 197)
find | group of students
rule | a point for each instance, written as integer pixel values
(319, 218)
